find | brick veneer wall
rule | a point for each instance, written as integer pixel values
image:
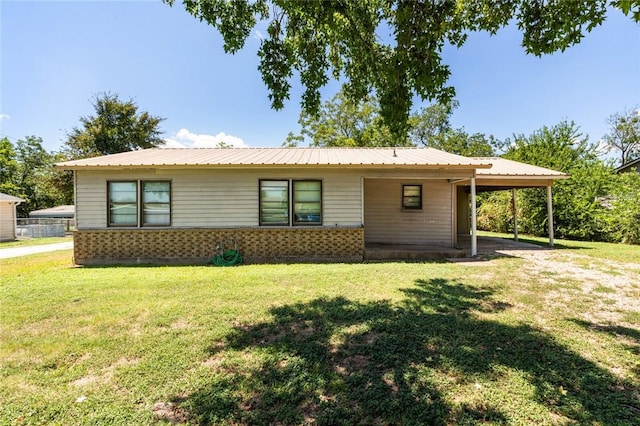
(111, 246)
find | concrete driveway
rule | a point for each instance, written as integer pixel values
(24, 251)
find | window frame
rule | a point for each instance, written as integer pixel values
(291, 203)
(405, 198)
(288, 209)
(141, 219)
(110, 222)
(139, 204)
(294, 221)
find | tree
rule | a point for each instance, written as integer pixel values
(32, 176)
(8, 167)
(577, 209)
(343, 122)
(388, 47)
(624, 134)
(116, 127)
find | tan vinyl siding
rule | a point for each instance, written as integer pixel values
(7, 222)
(386, 222)
(219, 198)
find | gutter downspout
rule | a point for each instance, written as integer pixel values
(15, 219)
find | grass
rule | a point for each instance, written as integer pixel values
(596, 250)
(34, 242)
(379, 343)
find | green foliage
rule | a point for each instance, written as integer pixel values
(8, 167)
(495, 212)
(342, 122)
(622, 217)
(389, 47)
(624, 134)
(117, 126)
(33, 176)
(579, 211)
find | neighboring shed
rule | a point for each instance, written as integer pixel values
(276, 204)
(57, 212)
(8, 205)
(631, 166)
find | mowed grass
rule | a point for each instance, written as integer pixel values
(378, 343)
(28, 242)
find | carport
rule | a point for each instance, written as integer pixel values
(503, 175)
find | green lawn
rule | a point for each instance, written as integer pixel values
(34, 242)
(380, 343)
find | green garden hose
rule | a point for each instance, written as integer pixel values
(229, 257)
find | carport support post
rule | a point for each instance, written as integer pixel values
(474, 236)
(550, 215)
(514, 203)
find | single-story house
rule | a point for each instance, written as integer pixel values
(8, 205)
(279, 204)
(630, 166)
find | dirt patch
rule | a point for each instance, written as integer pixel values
(169, 412)
(612, 293)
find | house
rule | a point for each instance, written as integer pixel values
(8, 205)
(279, 204)
(631, 166)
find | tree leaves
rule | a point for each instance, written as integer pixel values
(117, 126)
(391, 48)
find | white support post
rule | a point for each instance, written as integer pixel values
(550, 215)
(474, 236)
(514, 203)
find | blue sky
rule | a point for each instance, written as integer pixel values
(55, 56)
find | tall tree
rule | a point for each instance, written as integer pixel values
(117, 126)
(624, 134)
(32, 176)
(343, 122)
(8, 167)
(390, 47)
(576, 207)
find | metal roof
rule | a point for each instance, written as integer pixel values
(501, 167)
(10, 198)
(282, 157)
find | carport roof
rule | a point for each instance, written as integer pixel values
(501, 167)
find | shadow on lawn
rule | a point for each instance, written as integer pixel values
(337, 361)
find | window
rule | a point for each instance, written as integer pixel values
(274, 202)
(156, 203)
(412, 197)
(125, 210)
(307, 202)
(123, 204)
(304, 206)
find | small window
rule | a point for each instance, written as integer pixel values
(412, 197)
(274, 202)
(307, 202)
(156, 203)
(123, 203)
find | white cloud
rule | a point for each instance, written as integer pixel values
(4, 117)
(186, 139)
(258, 35)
